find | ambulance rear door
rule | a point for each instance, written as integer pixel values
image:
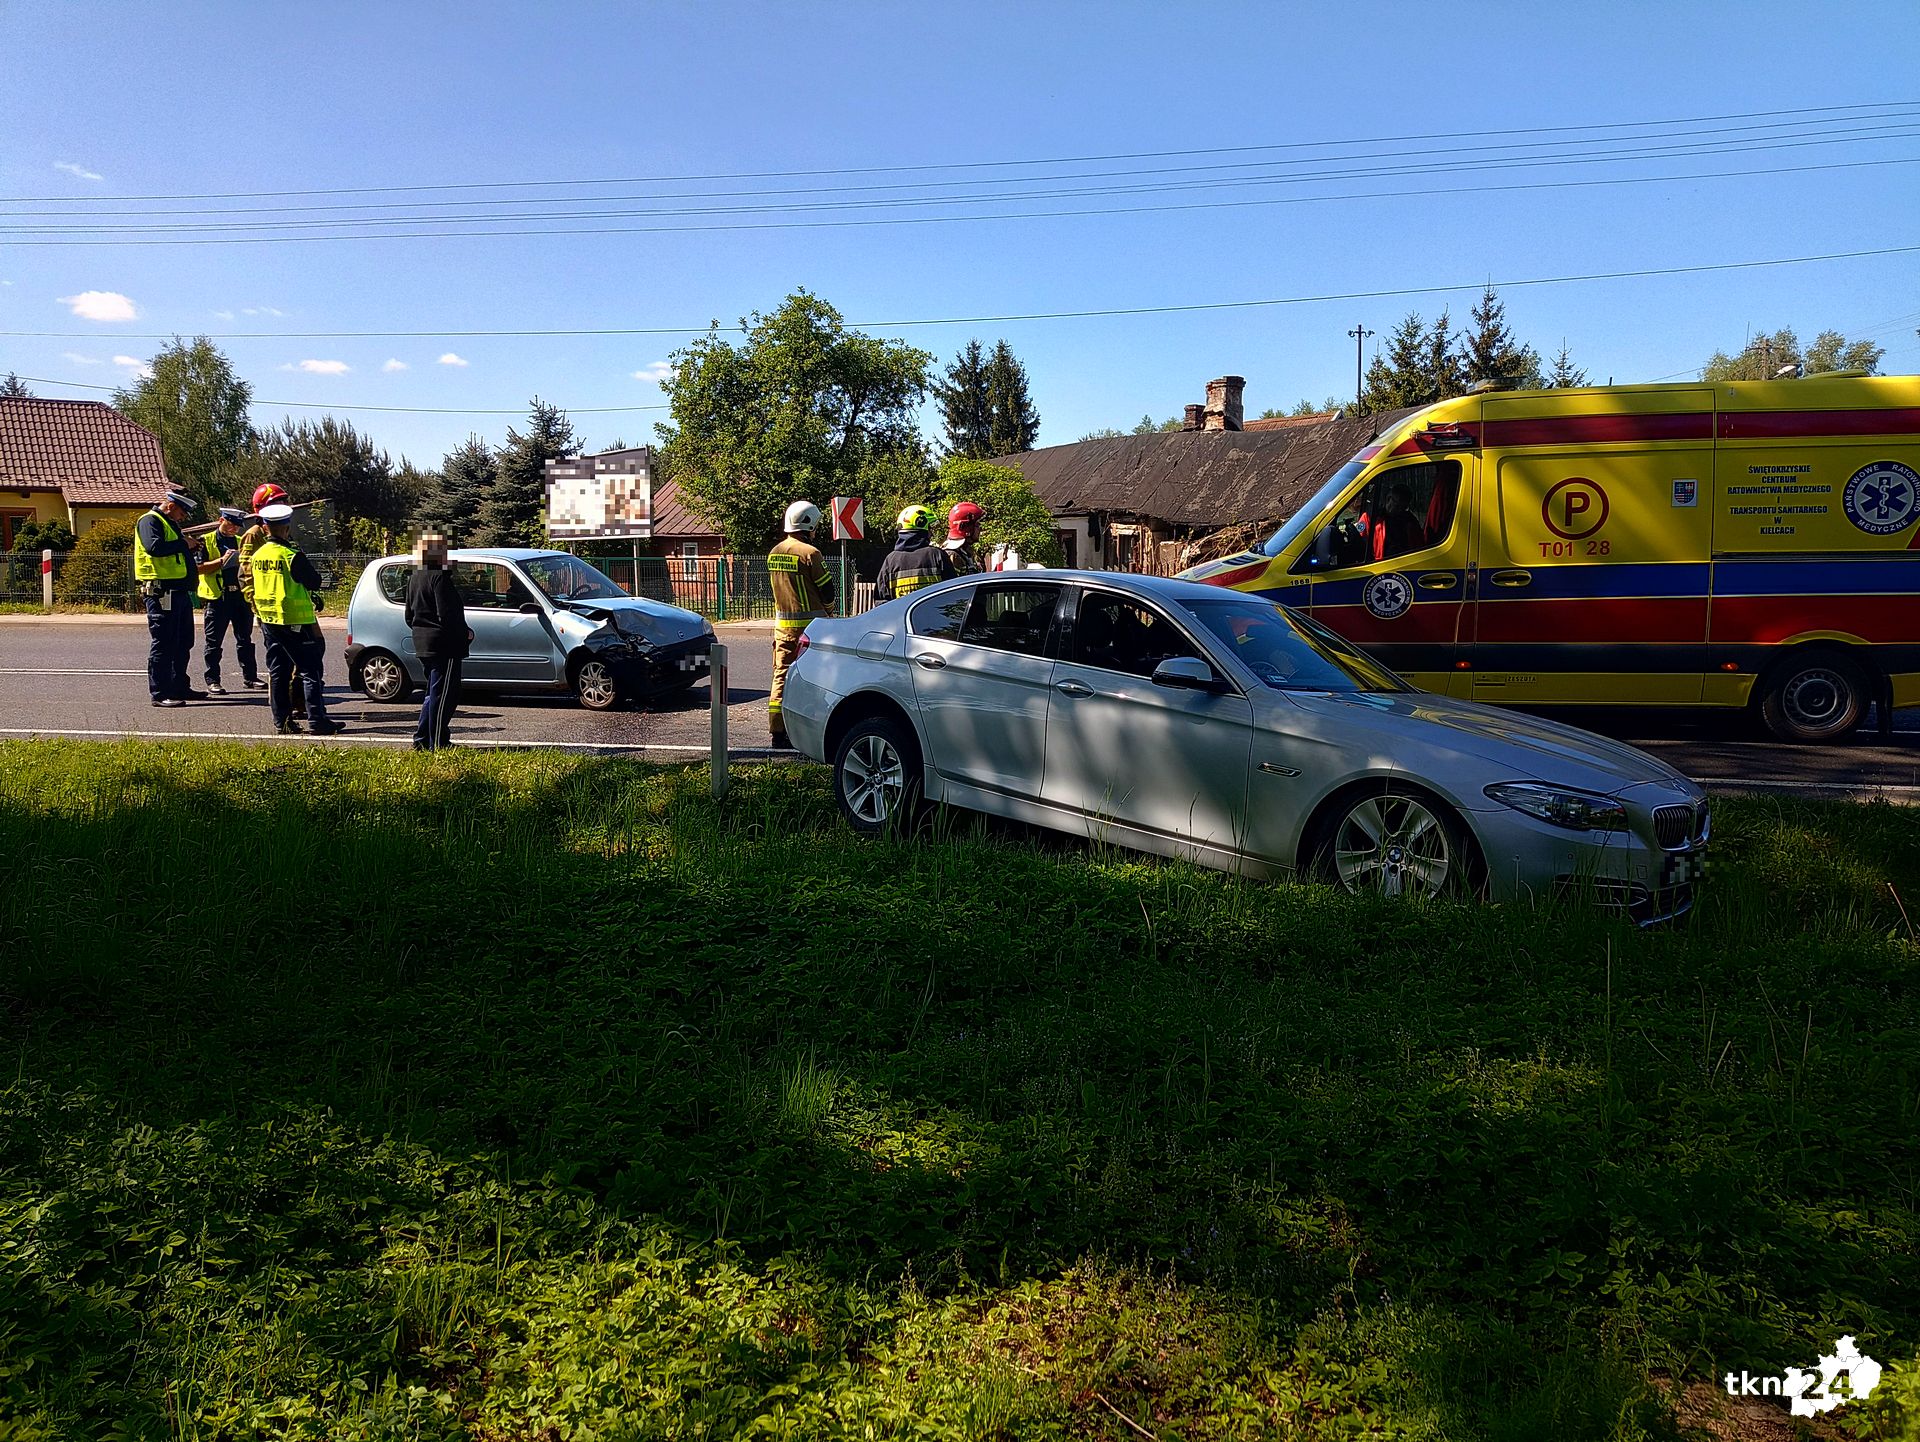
(1595, 544)
(1389, 567)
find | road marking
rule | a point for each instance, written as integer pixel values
(75, 671)
(42, 732)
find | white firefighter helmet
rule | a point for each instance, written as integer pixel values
(802, 516)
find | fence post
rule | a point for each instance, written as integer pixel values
(717, 709)
(720, 587)
(46, 579)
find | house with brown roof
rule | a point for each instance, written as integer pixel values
(1161, 502)
(78, 462)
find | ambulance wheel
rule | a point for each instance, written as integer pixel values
(1815, 696)
(876, 776)
(383, 677)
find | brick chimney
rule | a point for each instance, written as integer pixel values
(1196, 418)
(1223, 403)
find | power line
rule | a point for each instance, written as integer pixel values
(1396, 293)
(923, 168)
(394, 410)
(1795, 130)
(973, 219)
(1716, 148)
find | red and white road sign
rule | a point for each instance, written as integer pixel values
(849, 518)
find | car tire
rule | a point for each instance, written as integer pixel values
(1397, 841)
(594, 686)
(383, 676)
(876, 776)
(1815, 696)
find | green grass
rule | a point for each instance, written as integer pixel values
(352, 1095)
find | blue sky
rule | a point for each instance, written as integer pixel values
(189, 98)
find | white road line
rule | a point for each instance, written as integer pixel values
(75, 671)
(42, 732)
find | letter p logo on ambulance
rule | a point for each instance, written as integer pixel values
(1882, 497)
(1575, 508)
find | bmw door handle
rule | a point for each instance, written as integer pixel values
(1512, 578)
(930, 661)
(1074, 689)
(1439, 581)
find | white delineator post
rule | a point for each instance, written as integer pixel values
(717, 712)
(46, 579)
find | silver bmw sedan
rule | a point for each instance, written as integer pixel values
(1202, 723)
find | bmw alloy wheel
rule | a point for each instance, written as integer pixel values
(1394, 845)
(873, 779)
(594, 685)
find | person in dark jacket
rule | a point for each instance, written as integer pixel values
(226, 604)
(440, 638)
(914, 560)
(166, 566)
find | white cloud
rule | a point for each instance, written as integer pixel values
(656, 372)
(79, 170)
(139, 367)
(319, 367)
(101, 305)
(394, 365)
(79, 360)
(223, 315)
(450, 359)
(260, 310)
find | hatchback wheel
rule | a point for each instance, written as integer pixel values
(1394, 843)
(593, 684)
(1818, 697)
(383, 678)
(876, 776)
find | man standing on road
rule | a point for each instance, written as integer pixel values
(440, 638)
(284, 583)
(963, 537)
(226, 604)
(914, 560)
(161, 564)
(802, 592)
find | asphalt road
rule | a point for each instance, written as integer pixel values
(87, 677)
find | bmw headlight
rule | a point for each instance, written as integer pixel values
(1561, 805)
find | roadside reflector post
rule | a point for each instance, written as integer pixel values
(717, 712)
(46, 579)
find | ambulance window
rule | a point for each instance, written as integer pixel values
(1400, 512)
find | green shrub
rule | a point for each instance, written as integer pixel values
(100, 567)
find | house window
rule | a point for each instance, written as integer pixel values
(689, 560)
(11, 524)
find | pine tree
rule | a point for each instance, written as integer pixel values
(1492, 353)
(513, 510)
(451, 506)
(964, 408)
(1400, 374)
(1013, 423)
(1446, 369)
(14, 386)
(1565, 373)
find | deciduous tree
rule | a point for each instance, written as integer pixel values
(192, 400)
(1769, 355)
(328, 460)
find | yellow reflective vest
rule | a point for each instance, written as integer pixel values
(158, 568)
(211, 582)
(278, 599)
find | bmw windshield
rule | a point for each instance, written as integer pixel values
(564, 578)
(1288, 651)
(1296, 524)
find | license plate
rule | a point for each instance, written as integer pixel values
(1683, 870)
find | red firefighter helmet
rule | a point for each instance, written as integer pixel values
(266, 495)
(963, 522)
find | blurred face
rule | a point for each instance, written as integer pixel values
(176, 514)
(431, 550)
(228, 528)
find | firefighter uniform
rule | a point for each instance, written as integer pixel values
(802, 592)
(913, 562)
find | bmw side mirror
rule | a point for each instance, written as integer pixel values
(1187, 673)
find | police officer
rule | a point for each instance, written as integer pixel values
(963, 537)
(802, 592)
(914, 560)
(284, 583)
(161, 564)
(225, 604)
(266, 494)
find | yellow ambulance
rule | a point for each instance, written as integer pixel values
(1726, 545)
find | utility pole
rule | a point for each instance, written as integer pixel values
(1359, 334)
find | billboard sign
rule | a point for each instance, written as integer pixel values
(603, 496)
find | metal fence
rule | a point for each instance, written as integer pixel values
(724, 588)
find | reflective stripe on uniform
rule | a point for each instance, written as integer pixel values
(779, 561)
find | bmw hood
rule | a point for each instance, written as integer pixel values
(653, 621)
(1518, 746)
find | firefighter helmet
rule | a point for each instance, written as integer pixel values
(266, 495)
(916, 518)
(802, 516)
(963, 522)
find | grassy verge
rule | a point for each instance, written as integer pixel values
(60, 608)
(350, 1095)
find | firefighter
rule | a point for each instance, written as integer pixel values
(264, 495)
(226, 605)
(963, 537)
(914, 560)
(284, 583)
(802, 592)
(162, 564)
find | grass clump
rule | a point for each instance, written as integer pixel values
(352, 1095)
